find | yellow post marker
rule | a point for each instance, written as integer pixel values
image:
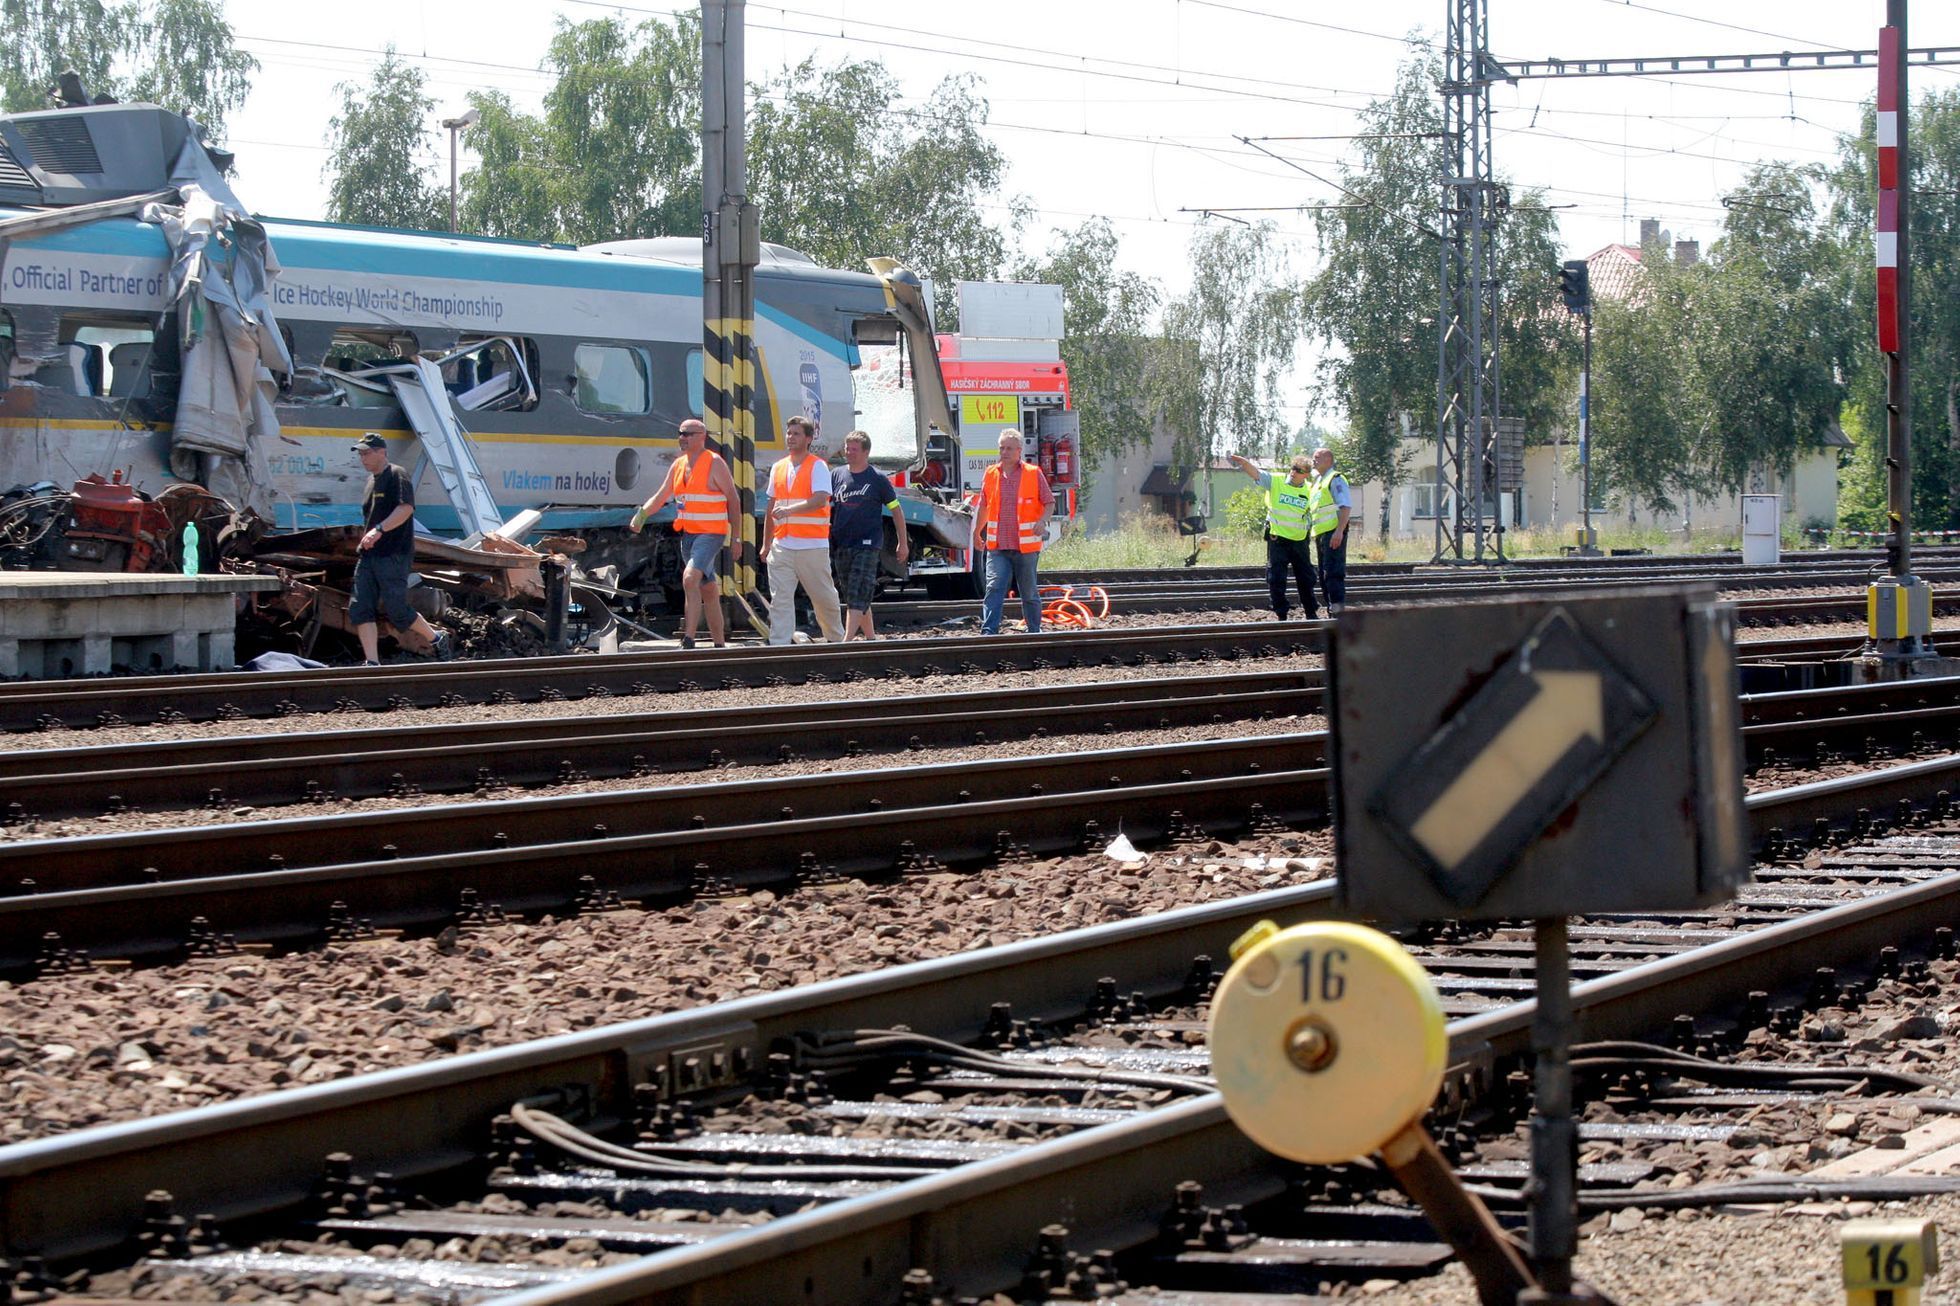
(1328, 1044)
(1886, 1261)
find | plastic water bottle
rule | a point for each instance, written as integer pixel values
(190, 548)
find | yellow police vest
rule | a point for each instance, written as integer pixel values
(1288, 507)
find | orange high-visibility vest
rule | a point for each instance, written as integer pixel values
(1029, 500)
(811, 523)
(703, 510)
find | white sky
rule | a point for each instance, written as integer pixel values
(1135, 108)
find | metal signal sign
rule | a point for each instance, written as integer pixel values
(1534, 759)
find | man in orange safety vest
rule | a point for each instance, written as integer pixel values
(701, 486)
(1009, 523)
(798, 545)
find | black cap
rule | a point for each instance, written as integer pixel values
(370, 441)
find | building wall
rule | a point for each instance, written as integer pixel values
(1114, 480)
(1551, 496)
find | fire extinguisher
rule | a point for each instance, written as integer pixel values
(1048, 459)
(1064, 462)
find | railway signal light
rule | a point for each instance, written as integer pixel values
(1575, 285)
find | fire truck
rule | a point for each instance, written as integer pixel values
(1004, 371)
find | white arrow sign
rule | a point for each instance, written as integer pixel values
(1569, 706)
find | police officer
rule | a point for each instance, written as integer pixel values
(1288, 512)
(1332, 501)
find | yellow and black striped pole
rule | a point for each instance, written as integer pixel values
(731, 246)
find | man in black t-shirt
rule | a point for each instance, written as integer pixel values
(859, 496)
(387, 551)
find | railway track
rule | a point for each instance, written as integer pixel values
(1079, 1041)
(80, 704)
(298, 881)
(1615, 566)
(281, 769)
(36, 705)
(274, 769)
(1156, 592)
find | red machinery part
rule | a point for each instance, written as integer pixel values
(112, 511)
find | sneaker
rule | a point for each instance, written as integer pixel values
(687, 641)
(1333, 609)
(370, 664)
(445, 647)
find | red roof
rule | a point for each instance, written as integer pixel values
(1614, 272)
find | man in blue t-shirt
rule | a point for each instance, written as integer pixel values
(859, 496)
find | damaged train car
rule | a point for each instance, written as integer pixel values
(531, 389)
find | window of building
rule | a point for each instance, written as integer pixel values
(612, 379)
(1432, 497)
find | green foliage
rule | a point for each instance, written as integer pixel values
(380, 151)
(1374, 301)
(836, 167)
(1714, 373)
(1933, 125)
(1149, 542)
(1233, 337)
(1108, 346)
(844, 174)
(1769, 335)
(510, 192)
(623, 127)
(181, 54)
(1245, 511)
(1642, 429)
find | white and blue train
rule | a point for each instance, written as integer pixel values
(569, 367)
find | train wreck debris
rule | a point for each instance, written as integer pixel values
(499, 592)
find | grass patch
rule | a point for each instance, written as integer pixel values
(1147, 543)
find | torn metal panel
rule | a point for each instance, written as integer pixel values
(424, 400)
(221, 274)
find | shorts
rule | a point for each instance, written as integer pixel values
(856, 571)
(703, 554)
(381, 584)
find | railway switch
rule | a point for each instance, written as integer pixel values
(1328, 1043)
(1327, 1039)
(1886, 1262)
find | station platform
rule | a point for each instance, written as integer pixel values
(56, 624)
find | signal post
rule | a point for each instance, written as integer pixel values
(731, 247)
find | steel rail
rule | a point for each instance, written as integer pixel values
(34, 705)
(154, 893)
(1165, 598)
(1663, 562)
(587, 819)
(83, 1193)
(285, 769)
(25, 704)
(974, 1226)
(280, 769)
(880, 823)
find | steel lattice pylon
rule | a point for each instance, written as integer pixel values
(1466, 362)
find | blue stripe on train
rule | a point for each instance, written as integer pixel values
(370, 252)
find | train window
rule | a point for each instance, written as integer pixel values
(697, 388)
(492, 373)
(6, 348)
(353, 350)
(611, 379)
(101, 356)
